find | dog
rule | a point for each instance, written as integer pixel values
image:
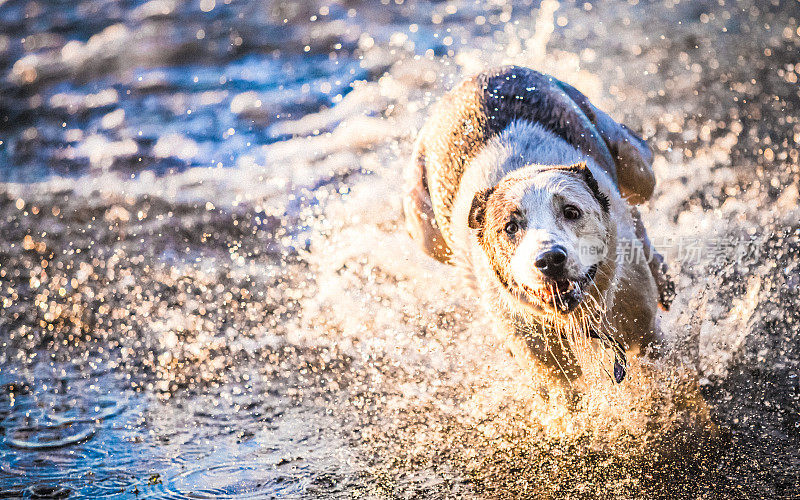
(518, 179)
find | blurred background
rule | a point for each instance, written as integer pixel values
(206, 289)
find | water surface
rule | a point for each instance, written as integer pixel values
(206, 290)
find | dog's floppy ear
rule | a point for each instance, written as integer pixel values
(477, 212)
(588, 178)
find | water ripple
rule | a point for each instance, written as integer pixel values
(42, 437)
(54, 464)
(233, 480)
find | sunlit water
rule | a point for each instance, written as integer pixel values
(206, 290)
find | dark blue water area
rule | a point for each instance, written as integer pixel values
(68, 429)
(168, 119)
(83, 430)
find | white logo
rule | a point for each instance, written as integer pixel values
(591, 250)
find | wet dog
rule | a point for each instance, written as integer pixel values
(518, 179)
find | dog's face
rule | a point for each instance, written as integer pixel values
(545, 231)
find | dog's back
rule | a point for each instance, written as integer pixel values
(484, 106)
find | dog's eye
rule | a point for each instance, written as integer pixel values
(572, 212)
(511, 228)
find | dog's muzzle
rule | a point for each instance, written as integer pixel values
(563, 295)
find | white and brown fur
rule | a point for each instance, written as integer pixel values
(514, 143)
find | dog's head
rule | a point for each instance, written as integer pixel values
(546, 232)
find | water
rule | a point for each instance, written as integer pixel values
(207, 291)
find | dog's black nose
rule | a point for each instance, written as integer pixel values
(551, 262)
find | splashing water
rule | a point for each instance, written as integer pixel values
(207, 290)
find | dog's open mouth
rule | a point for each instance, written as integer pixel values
(562, 295)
